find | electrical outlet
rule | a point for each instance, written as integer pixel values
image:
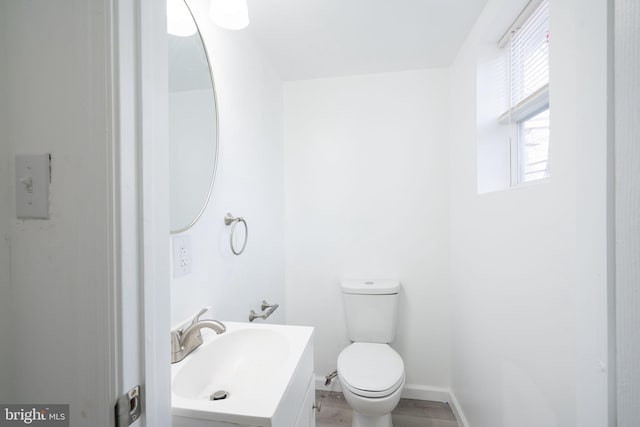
(181, 255)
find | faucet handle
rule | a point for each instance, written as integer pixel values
(196, 319)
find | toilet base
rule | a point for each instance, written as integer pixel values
(363, 420)
(372, 412)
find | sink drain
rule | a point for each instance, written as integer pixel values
(219, 395)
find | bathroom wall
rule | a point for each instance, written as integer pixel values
(248, 183)
(5, 213)
(366, 196)
(529, 265)
(55, 71)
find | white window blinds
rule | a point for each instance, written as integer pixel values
(526, 45)
(529, 56)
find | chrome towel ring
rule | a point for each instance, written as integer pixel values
(232, 221)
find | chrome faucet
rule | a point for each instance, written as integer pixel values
(184, 341)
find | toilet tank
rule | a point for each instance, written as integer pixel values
(371, 308)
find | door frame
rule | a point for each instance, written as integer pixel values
(140, 99)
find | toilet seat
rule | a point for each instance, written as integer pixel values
(370, 369)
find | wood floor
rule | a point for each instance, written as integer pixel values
(335, 412)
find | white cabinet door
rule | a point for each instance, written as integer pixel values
(307, 415)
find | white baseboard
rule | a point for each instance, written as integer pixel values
(422, 392)
(457, 410)
(412, 391)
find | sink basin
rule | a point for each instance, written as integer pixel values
(245, 363)
(250, 368)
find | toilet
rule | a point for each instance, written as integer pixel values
(370, 371)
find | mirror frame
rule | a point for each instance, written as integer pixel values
(217, 150)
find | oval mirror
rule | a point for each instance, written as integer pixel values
(193, 119)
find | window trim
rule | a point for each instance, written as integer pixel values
(529, 107)
(516, 148)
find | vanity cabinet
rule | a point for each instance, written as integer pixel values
(296, 407)
(307, 415)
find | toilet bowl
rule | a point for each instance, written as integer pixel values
(370, 371)
(372, 377)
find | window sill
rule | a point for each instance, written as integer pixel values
(521, 186)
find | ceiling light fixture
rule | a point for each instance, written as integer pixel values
(230, 14)
(179, 20)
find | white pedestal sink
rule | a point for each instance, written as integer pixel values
(265, 370)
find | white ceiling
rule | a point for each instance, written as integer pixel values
(309, 39)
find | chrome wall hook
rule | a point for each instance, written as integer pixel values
(267, 310)
(230, 220)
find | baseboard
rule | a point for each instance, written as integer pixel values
(422, 392)
(457, 410)
(412, 391)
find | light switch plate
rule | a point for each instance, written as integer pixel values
(33, 175)
(181, 255)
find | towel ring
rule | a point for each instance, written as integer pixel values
(232, 221)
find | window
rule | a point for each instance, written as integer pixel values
(526, 55)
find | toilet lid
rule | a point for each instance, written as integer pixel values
(370, 367)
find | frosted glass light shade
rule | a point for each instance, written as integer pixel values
(179, 20)
(230, 14)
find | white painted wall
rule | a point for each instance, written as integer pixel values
(528, 265)
(366, 196)
(57, 100)
(249, 183)
(627, 53)
(6, 329)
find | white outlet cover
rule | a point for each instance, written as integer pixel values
(181, 246)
